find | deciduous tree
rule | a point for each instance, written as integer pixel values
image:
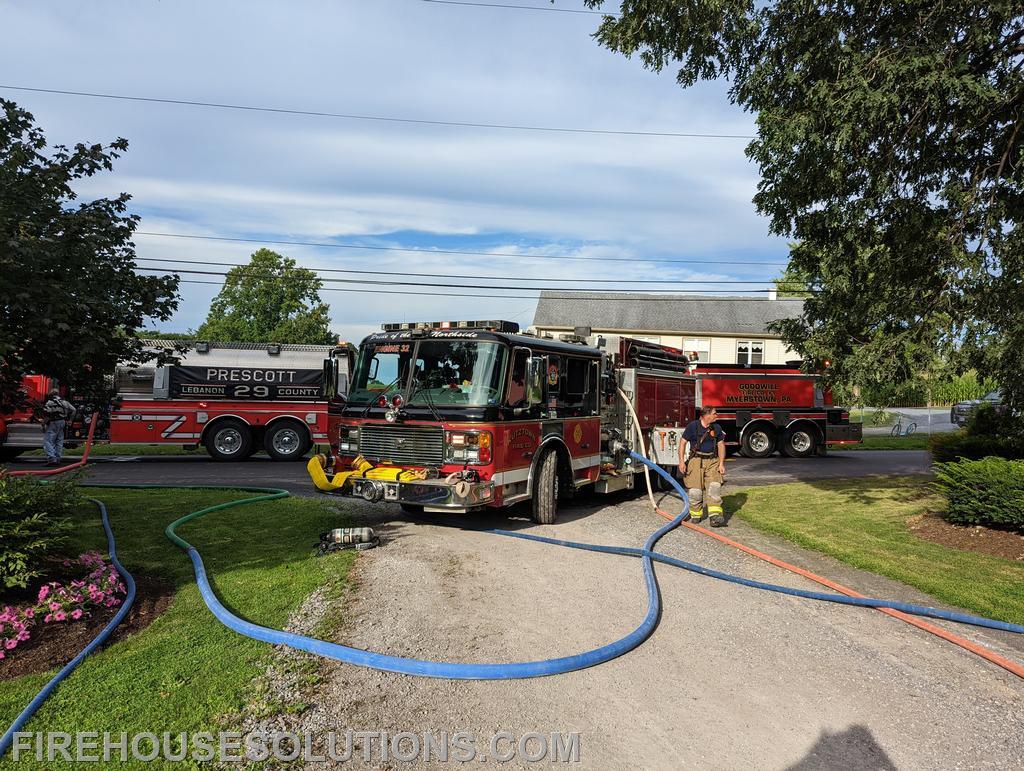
(270, 300)
(70, 299)
(889, 142)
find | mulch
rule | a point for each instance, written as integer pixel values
(54, 645)
(976, 538)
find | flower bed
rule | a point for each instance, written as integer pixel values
(60, 603)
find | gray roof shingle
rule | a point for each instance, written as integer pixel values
(667, 313)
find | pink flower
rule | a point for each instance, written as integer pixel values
(30, 613)
(48, 618)
(54, 606)
(2, 656)
(10, 644)
(92, 588)
(67, 563)
(23, 635)
(76, 614)
(59, 615)
(111, 602)
(44, 593)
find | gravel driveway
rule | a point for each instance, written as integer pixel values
(732, 677)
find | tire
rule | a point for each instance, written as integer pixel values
(896, 430)
(286, 440)
(229, 440)
(758, 443)
(911, 429)
(799, 442)
(9, 453)
(545, 490)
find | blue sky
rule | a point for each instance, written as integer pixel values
(214, 172)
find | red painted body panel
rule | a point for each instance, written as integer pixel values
(177, 421)
(664, 401)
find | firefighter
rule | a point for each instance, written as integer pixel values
(702, 458)
(56, 411)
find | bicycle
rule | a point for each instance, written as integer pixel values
(897, 430)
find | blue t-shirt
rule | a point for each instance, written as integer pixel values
(713, 434)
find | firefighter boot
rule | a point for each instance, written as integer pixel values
(717, 514)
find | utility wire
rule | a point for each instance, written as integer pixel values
(421, 250)
(601, 292)
(379, 118)
(520, 7)
(382, 282)
(690, 297)
(462, 275)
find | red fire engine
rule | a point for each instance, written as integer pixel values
(454, 416)
(233, 398)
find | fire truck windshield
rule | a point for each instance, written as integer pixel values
(446, 372)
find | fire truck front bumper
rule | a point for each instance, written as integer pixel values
(431, 494)
(455, 495)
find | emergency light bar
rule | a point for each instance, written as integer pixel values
(493, 326)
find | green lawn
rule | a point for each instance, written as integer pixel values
(862, 522)
(186, 669)
(913, 442)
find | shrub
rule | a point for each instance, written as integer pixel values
(983, 492)
(959, 444)
(33, 524)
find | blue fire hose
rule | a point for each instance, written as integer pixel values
(458, 671)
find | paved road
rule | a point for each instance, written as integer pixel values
(742, 472)
(938, 423)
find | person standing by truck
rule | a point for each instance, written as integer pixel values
(702, 459)
(56, 412)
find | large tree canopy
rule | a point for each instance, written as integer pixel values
(70, 299)
(889, 142)
(270, 300)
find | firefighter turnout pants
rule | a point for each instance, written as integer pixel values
(702, 477)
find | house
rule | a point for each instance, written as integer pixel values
(722, 330)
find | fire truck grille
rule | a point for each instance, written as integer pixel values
(402, 444)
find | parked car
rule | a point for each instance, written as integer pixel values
(961, 412)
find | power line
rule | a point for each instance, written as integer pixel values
(382, 282)
(421, 250)
(379, 118)
(690, 296)
(520, 7)
(457, 275)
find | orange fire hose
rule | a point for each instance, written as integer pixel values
(78, 464)
(980, 650)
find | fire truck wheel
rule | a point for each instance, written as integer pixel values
(9, 453)
(799, 442)
(758, 443)
(229, 440)
(286, 440)
(545, 490)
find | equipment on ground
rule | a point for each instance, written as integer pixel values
(340, 538)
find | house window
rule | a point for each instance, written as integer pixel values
(750, 352)
(647, 339)
(701, 347)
